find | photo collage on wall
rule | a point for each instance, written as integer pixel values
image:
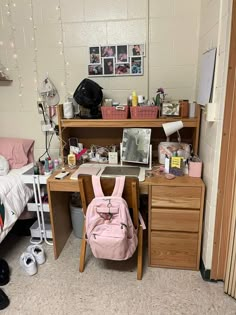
(116, 60)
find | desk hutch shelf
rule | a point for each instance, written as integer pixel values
(95, 131)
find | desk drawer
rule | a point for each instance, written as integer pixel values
(175, 250)
(176, 197)
(175, 220)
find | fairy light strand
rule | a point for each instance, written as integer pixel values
(61, 43)
(35, 60)
(9, 5)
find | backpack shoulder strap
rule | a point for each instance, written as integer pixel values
(97, 188)
(119, 186)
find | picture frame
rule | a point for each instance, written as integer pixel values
(136, 50)
(121, 53)
(108, 51)
(94, 55)
(95, 70)
(170, 109)
(136, 65)
(116, 60)
(122, 68)
(108, 66)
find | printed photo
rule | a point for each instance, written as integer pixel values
(108, 66)
(108, 51)
(136, 65)
(137, 50)
(170, 109)
(95, 70)
(122, 68)
(122, 53)
(94, 55)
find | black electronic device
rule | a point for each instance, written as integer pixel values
(89, 97)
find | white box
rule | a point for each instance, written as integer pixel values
(35, 230)
(113, 157)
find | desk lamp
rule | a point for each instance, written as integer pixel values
(171, 128)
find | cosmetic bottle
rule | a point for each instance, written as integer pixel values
(134, 99)
(71, 159)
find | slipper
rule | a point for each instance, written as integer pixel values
(4, 272)
(4, 301)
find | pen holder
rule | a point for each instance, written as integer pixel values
(195, 169)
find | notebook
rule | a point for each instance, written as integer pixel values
(93, 169)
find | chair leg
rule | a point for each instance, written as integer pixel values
(82, 252)
(140, 253)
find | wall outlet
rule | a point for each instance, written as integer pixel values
(40, 106)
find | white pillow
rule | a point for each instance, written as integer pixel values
(4, 166)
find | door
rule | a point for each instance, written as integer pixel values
(226, 185)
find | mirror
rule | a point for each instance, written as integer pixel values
(136, 145)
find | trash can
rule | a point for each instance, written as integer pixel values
(77, 215)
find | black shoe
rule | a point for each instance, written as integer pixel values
(4, 301)
(4, 272)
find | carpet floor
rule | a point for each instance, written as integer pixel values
(105, 287)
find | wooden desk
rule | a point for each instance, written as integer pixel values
(175, 218)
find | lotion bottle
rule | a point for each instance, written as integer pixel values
(71, 160)
(134, 99)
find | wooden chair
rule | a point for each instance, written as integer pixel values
(130, 194)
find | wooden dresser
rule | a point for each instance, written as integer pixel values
(175, 222)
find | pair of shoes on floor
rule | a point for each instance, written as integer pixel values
(4, 279)
(34, 256)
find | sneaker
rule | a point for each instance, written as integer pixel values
(4, 301)
(38, 252)
(28, 263)
(4, 272)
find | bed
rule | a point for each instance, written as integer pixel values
(16, 157)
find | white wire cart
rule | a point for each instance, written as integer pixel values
(41, 229)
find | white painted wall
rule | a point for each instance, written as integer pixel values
(214, 32)
(40, 36)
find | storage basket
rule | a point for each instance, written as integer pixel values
(144, 112)
(115, 112)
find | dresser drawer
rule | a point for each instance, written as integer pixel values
(176, 197)
(175, 220)
(174, 250)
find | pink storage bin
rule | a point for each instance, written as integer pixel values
(195, 169)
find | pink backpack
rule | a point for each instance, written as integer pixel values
(109, 229)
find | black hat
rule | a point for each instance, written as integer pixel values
(4, 272)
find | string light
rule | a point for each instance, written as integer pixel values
(35, 59)
(13, 46)
(10, 6)
(61, 42)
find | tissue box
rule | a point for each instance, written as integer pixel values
(195, 169)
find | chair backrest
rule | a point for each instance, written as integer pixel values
(130, 193)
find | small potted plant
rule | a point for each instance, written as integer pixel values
(159, 98)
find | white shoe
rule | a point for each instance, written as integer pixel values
(38, 252)
(28, 263)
